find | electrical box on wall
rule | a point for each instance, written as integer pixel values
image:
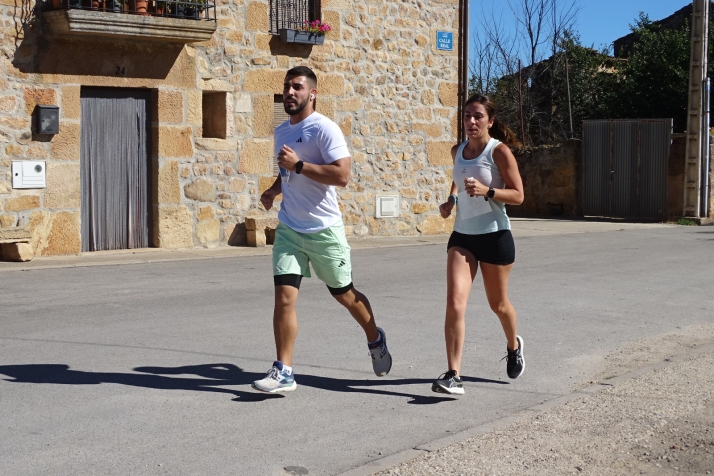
(47, 119)
(28, 174)
(387, 206)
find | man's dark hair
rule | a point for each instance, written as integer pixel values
(302, 71)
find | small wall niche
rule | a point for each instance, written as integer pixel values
(214, 115)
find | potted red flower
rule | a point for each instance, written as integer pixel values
(312, 33)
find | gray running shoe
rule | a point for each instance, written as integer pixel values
(277, 380)
(448, 383)
(515, 363)
(381, 358)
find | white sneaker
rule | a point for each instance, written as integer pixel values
(449, 383)
(276, 381)
(381, 358)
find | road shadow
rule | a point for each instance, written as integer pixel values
(211, 378)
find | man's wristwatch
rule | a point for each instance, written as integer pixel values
(456, 199)
(298, 166)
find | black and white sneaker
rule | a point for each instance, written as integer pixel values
(515, 363)
(381, 358)
(448, 383)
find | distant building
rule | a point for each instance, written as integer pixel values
(676, 21)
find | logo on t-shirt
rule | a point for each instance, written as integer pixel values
(299, 140)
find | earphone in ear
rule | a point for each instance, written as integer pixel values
(312, 96)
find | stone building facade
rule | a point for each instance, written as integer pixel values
(380, 77)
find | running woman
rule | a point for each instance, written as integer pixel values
(314, 159)
(485, 179)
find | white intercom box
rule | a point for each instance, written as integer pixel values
(28, 174)
(387, 206)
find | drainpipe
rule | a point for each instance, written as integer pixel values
(463, 65)
(706, 152)
(466, 49)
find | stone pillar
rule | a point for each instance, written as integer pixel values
(261, 231)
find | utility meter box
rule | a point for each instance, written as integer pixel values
(47, 119)
(387, 206)
(28, 174)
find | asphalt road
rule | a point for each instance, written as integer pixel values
(146, 368)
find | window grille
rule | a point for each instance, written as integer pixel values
(292, 14)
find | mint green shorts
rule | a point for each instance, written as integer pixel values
(327, 250)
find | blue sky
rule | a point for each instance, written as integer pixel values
(599, 22)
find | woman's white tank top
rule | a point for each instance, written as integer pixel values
(475, 215)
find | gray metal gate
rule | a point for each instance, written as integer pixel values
(625, 167)
(115, 168)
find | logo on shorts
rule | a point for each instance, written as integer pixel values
(299, 140)
(342, 263)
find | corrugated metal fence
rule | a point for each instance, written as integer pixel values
(625, 167)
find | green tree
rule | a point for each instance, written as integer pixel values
(583, 84)
(652, 82)
(523, 95)
(575, 81)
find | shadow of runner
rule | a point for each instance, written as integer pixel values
(345, 385)
(211, 377)
(217, 375)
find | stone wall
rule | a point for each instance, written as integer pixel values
(380, 76)
(551, 180)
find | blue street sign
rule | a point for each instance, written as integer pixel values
(444, 40)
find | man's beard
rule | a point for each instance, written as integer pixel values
(295, 109)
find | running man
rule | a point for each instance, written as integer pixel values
(313, 156)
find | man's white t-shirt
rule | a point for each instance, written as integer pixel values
(309, 206)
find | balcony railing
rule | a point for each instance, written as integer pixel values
(191, 10)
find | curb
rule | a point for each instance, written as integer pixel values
(157, 255)
(527, 228)
(390, 461)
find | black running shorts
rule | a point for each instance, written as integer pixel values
(493, 248)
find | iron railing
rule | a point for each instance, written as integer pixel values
(188, 9)
(292, 14)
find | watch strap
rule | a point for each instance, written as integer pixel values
(298, 166)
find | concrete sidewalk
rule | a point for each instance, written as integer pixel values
(522, 227)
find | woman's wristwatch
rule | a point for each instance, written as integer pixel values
(456, 198)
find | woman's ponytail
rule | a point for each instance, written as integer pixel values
(501, 132)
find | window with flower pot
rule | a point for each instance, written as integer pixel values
(292, 14)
